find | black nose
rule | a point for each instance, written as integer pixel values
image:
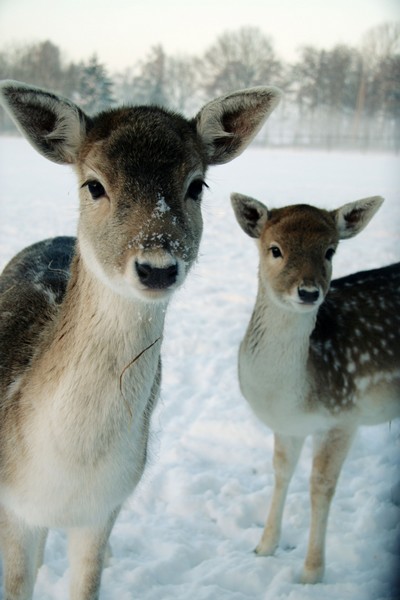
(155, 278)
(308, 297)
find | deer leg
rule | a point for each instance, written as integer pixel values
(88, 549)
(330, 451)
(286, 454)
(21, 548)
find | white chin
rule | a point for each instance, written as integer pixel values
(307, 307)
(304, 307)
(153, 295)
(293, 305)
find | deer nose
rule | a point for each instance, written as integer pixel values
(307, 295)
(155, 277)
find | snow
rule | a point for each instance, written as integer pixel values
(189, 529)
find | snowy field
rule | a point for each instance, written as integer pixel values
(189, 530)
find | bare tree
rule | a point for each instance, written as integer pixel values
(380, 42)
(378, 107)
(240, 59)
(149, 85)
(183, 83)
(170, 81)
(39, 64)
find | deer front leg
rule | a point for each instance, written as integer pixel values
(286, 455)
(88, 549)
(330, 451)
(22, 553)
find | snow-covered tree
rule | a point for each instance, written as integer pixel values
(95, 87)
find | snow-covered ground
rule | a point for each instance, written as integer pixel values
(189, 529)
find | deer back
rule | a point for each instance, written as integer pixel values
(355, 346)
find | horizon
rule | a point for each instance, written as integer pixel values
(291, 26)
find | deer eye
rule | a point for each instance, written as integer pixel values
(275, 251)
(95, 188)
(195, 189)
(329, 253)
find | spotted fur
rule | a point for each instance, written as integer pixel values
(352, 348)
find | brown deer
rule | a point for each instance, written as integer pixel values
(81, 320)
(318, 357)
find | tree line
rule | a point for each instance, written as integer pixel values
(343, 97)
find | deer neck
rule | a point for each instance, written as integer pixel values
(273, 364)
(100, 364)
(274, 329)
(93, 315)
(275, 349)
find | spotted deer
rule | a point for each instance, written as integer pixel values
(318, 357)
(81, 320)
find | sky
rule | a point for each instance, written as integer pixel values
(121, 32)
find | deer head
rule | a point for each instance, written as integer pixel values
(297, 243)
(141, 174)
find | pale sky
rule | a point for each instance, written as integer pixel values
(121, 32)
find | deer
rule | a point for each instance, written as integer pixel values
(81, 319)
(319, 357)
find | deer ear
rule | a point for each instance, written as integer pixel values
(228, 124)
(53, 125)
(250, 214)
(353, 217)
